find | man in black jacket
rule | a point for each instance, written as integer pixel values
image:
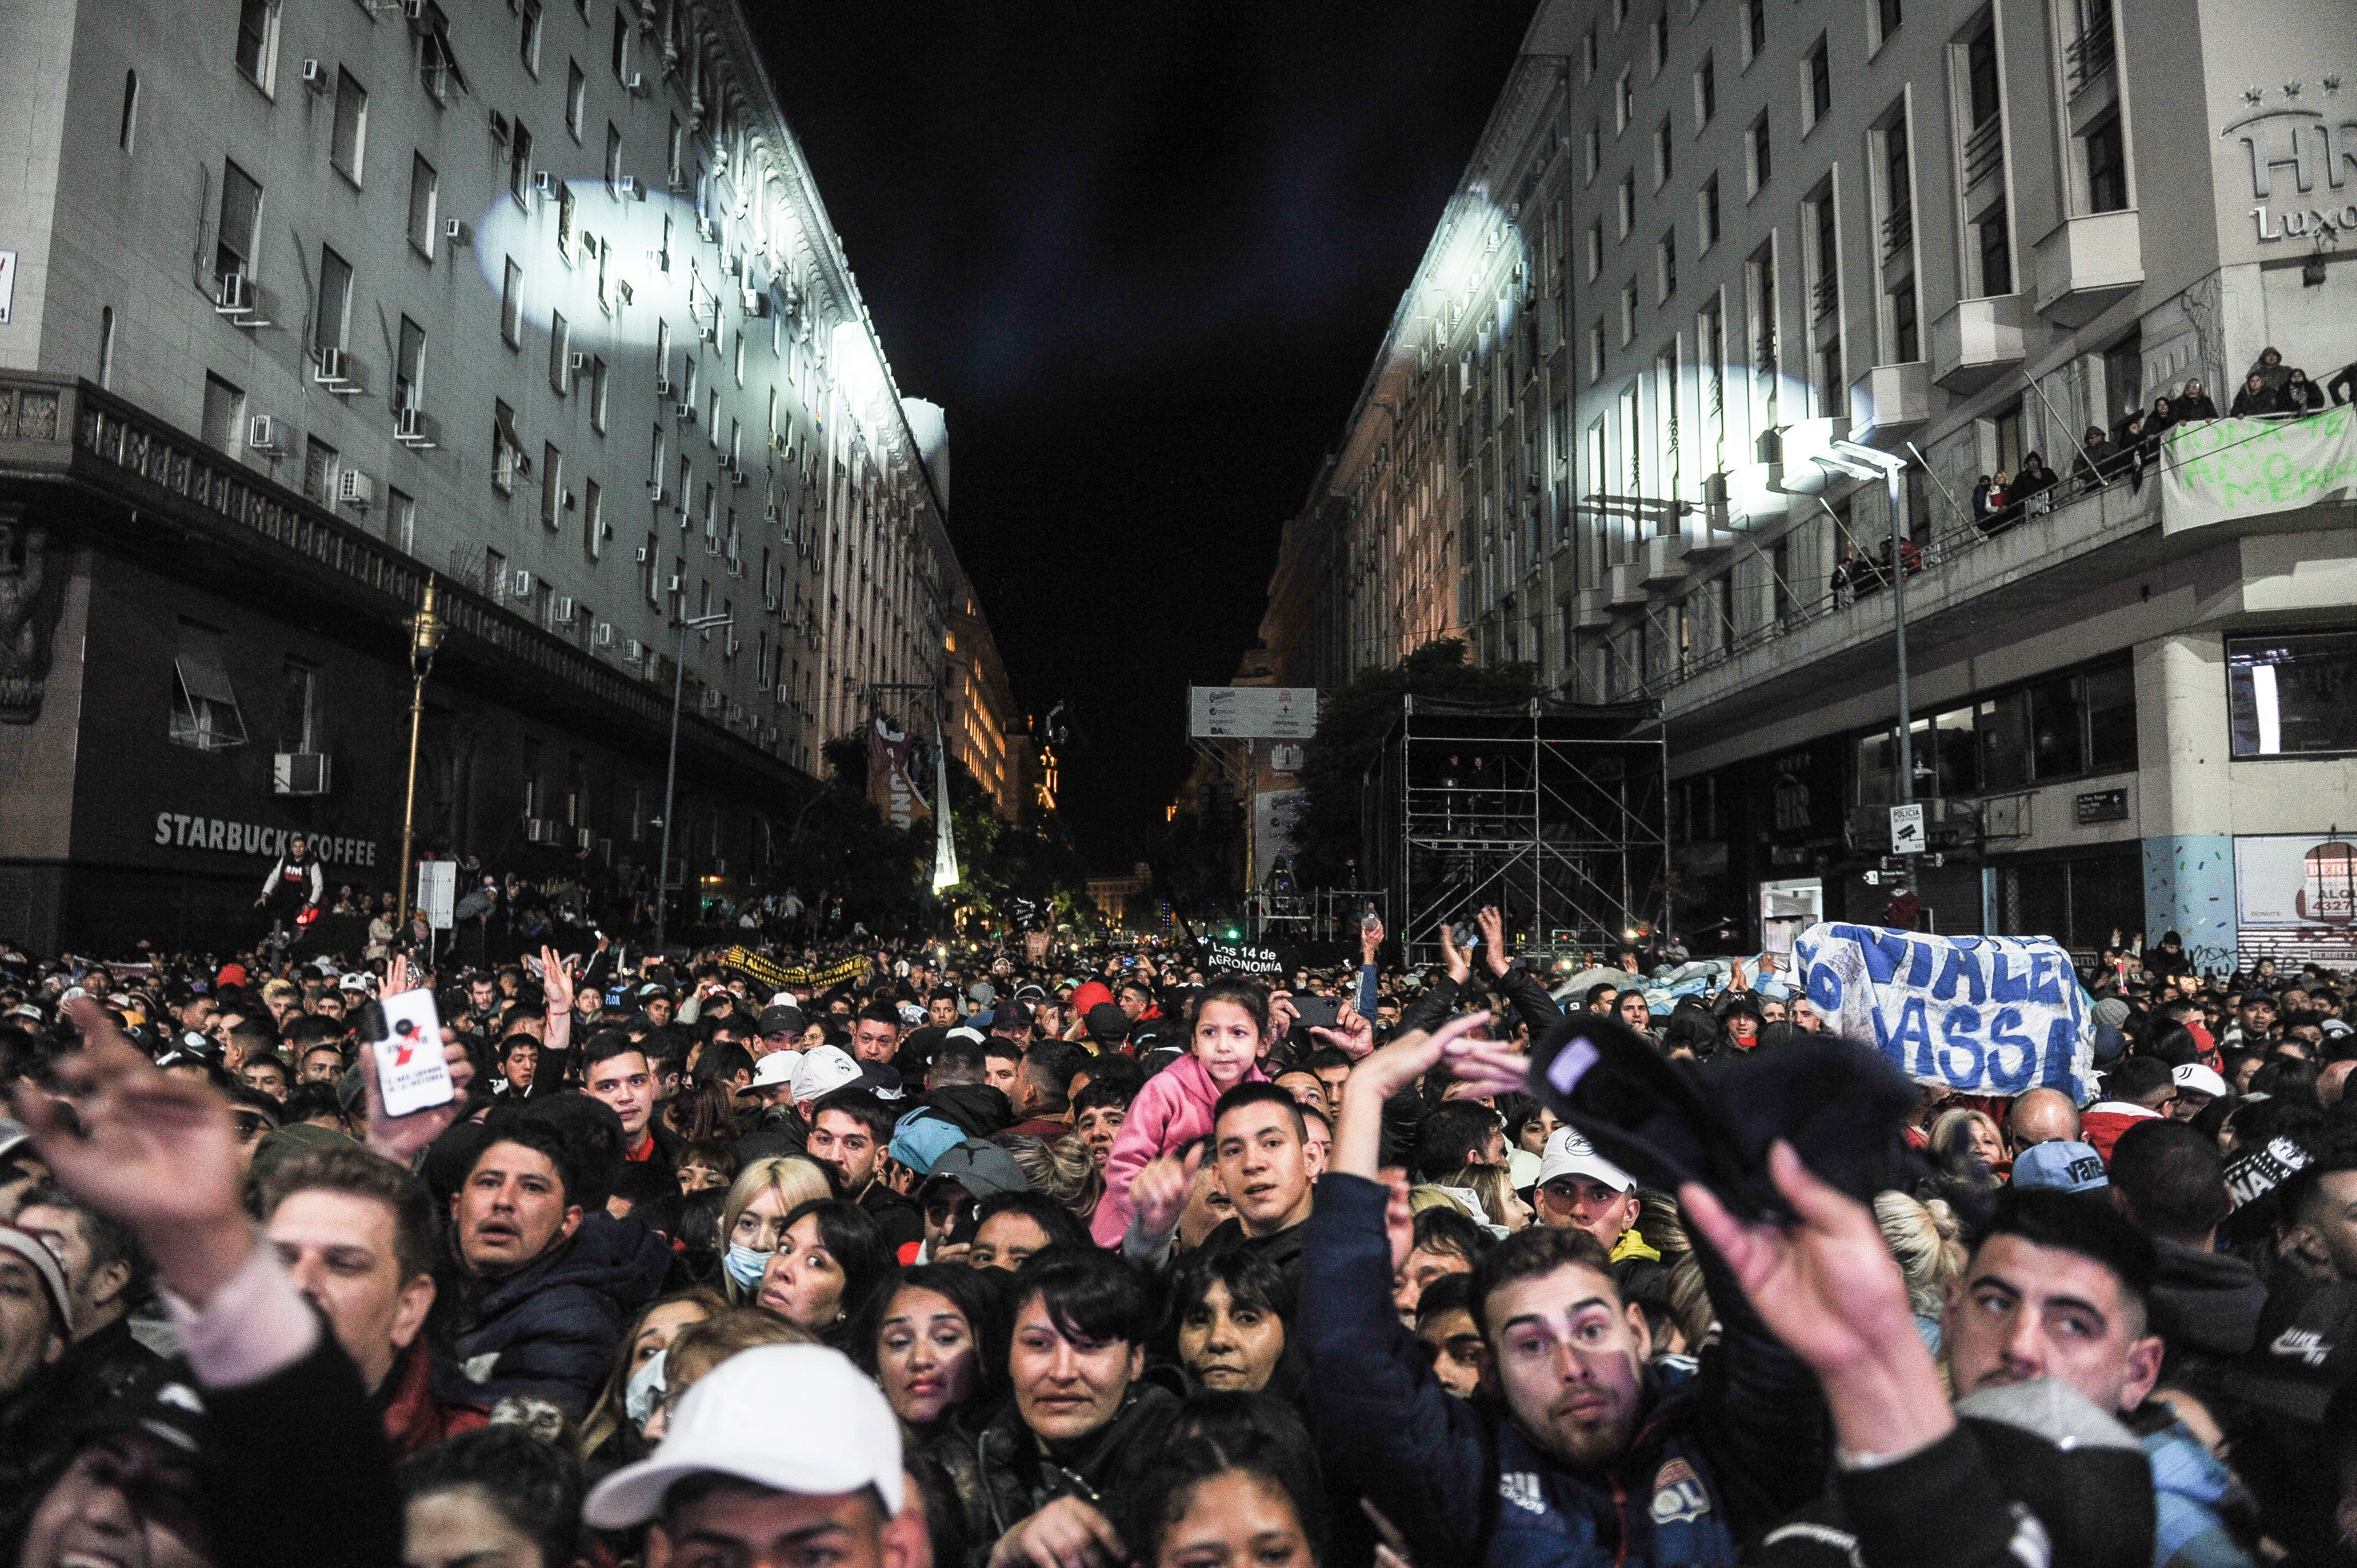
(106, 1275)
(850, 1130)
(1579, 1451)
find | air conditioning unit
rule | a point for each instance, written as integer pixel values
(575, 363)
(642, 554)
(627, 187)
(265, 433)
(670, 584)
(301, 773)
(714, 700)
(777, 441)
(634, 651)
(499, 126)
(663, 386)
(661, 259)
(355, 488)
(708, 229)
(544, 183)
(544, 829)
(740, 477)
(328, 366)
(564, 499)
(707, 331)
(784, 693)
(686, 412)
(409, 429)
(755, 303)
(314, 76)
(454, 229)
(736, 567)
(583, 838)
(769, 603)
(604, 635)
(563, 609)
(238, 298)
(770, 515)
(637, 85)
(724, 462)
(412, 10)
(521, 585)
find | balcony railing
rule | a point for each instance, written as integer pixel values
(1984, 150)
(2091, 53)
(1866, 576)
(1898, 231)
(1827, 295)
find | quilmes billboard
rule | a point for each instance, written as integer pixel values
(1252, 713)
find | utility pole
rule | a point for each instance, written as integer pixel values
(671, 765)
(427, 630)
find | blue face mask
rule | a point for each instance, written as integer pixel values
(645, 1390)
(744, 1265)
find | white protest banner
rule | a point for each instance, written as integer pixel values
(2222, 469)
(1241, 958)
(1980, 1014)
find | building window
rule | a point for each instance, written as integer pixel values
(552, 485)
(241, 213)
(127, 128)
(1661, 39)
(1709, 207)
(2107, 165)
(593, 519)
(621, 48)
(1626, 204)
(401, 521)
(1757, 163)
(678, 145)
(654, 572)
(1664, 159)
(598, 380)
(1628, 313)
(1887, 18)
(1755, 29)
(1817, 87)
(424, 199)
(1624, 102)
(560, 347)
(350, 145)
(511, 305)
(224, 417)
(1591, 152)
(205, 714)
(613, 156)
(1596, 353)
(409, 367)
(257, 41)
(298, 688)
(1587, 54)
(332, 321)
(507, 448)
(106, 347)
(1706, 93)
(1665, 264)
(1996, 253)
(529, 39)
(565, 220)
(2292, 694)
(1981, 76)
(520, 164)
(1897, 189)
(1906, 336)
(1595, 250)
(576, 96)
(318, 471)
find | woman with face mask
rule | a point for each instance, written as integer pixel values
(753, 1220)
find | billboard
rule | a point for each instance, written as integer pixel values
(1252, 713)
(2297, 882)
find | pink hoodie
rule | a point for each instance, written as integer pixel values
(1171, 1112)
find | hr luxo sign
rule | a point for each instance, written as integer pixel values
(2308, 142)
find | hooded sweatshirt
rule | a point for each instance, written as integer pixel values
(1171, 1112)
(2205, 1304)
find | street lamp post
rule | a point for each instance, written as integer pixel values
(427, 630)
(1862, 462)
(685, 625)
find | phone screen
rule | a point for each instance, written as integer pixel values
(411, 1073)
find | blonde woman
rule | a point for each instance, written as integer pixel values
(1494, 1186)
(754, 1217)
(1066, 1170)
(700, 1346)
(1922, 1237)
(1967, 1132)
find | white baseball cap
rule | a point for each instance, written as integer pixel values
(822, 1071)
(776, 1069)
(749, 1418)
(1568, 1153)
(2200, 1080)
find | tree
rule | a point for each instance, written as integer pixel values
(1352, 724)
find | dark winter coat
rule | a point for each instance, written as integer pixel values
(551, 1330)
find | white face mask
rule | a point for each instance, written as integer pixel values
(646, 1390)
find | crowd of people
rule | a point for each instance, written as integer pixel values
(913, 1254)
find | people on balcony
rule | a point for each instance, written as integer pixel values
(2303, 396)
(2100, 460)
(2195, 402)
(2257, 399)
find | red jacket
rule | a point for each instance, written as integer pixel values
(415, 1417)
(2101, 1125)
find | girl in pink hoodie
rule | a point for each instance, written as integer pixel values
(1174, 1109)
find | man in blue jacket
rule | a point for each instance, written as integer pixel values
(1575, 1451)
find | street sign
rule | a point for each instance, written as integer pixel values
(438, 892)
(1907, 829)
(1252, 713)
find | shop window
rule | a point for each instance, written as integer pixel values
(2003, 725)
(205, 714)
(1955, 751)
(2058, 748)
(2293, 694)
(2109, 697)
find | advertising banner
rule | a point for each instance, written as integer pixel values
(1980, 1014)
(2302, 885)
(2223, 468)
(1244, 957)
(1252, 713)
(889, 786)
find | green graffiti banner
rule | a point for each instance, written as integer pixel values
(2223, 468)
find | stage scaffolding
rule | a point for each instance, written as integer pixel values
(1555, 812)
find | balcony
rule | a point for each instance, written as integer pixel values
(1661, 562)
(1625, 588)
(1593, 610)
(1890, 404)
(1977, 341)
(1796, 443)
(2087, 264)
(1985, 150)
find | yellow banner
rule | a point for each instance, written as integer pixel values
(776, 977)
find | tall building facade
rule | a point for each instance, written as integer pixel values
(1709, 241)
(314, 301)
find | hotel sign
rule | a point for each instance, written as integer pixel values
(2315, 148)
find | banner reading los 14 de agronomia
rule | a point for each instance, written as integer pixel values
(1981, 1014)
(2223, 468)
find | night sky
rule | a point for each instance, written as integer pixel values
(1143, 255)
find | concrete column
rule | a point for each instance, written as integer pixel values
(2186, 812)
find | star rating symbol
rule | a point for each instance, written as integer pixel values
(2291, 90)
(2253, 95)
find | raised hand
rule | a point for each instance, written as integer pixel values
(1352, 1035)
(556, 981)
(1484, 1068)
(1461, 968)
(1157, 1195)
(1371, 938)
(401, 1139)
(156, 1151)
(396, 975)
(1493, 927)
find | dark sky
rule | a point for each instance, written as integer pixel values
(1144, 256)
